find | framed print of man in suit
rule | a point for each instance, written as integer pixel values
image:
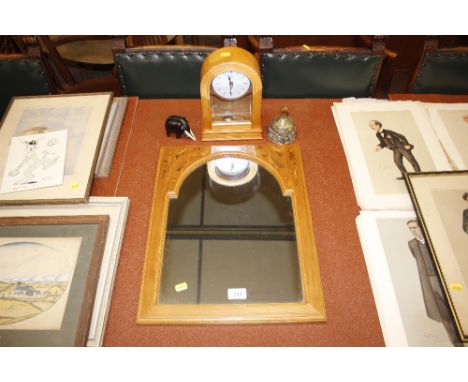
(397, 143)
(434, 301)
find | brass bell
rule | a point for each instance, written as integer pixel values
(282, 130)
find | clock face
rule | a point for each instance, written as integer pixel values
(231, 84)
(232, 171)
(232, 168)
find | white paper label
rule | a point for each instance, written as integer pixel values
(237, 294)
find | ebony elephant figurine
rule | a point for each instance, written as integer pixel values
(178, 125)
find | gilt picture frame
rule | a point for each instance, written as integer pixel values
(117, 209)
(84, 116)
(441, 203)
(49, 272)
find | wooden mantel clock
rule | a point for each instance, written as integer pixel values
(231, 95)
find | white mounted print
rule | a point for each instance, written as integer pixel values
(383, 141)
(408, 296)
(35, 161)
(450, 122)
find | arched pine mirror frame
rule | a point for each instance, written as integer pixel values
(284, 163)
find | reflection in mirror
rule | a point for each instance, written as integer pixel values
(230, 239)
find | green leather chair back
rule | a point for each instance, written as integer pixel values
(442, 73)
(21, 76)
(319, 74)
(167, 73)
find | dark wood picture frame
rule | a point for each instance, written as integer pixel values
(76, 318)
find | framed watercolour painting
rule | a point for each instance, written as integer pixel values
(450, 121)
(49, 268)
(114, 207)
(28, 122)
(408, 296)
(382, 141)
(441, 202)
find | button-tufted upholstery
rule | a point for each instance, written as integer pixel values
(444, 71)
(169, 72)
(21, 76)
(320, 74)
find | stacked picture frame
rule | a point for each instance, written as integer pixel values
(408, 167)
(59, 247)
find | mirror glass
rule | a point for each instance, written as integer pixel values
(230, 239)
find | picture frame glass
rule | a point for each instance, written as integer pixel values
(441, 202)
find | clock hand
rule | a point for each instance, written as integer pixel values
(231, 84)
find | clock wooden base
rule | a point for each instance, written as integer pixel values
(231, 132)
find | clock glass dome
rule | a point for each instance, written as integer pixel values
(231, 97)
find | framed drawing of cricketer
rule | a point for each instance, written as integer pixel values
(114, 207)
(407, 293)
(382, 141)
(441, 202)
(49, 147)
(450, 121)
(49, 268)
